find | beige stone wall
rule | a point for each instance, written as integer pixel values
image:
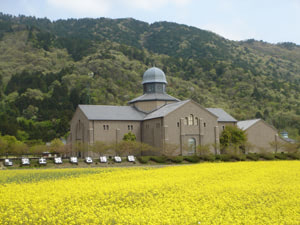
(116, 130)
(153, 132)
(178, 133)
(79, 127)
(149, 106)
(259, 136)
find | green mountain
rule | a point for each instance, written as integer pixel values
(48, 68)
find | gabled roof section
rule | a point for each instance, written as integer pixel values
(165, 110)
(108, 112)
(222, 115)
(154, 97)
(244, 125)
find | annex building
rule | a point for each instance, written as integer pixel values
(156, 118)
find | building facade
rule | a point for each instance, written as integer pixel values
(155, 118)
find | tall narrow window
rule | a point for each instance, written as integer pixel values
(196, 121)
(131, 127)
(104, 126)
(185, 121)
(191, 118)
(107, 127)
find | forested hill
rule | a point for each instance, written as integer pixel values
(48, 68)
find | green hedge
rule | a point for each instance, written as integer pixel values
(252, 156)
(159, 159)
(267, 156)
(192, 159)
(143, 159)
(176, 159)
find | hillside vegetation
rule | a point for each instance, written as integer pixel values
(48, 68)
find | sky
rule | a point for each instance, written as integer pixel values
(268, 20)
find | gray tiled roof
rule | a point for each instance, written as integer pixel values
(108, 112)
(222, 115)
(154, 96)
(244, 125)
(164, 110)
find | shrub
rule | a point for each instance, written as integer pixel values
(143, 159)
(159, 159)
(252, 156)
(281, 156)
(176, 159)
(238, 157)
(192, 159)
(225, 157)
(209, 157)
(293, 155)
(267, 156)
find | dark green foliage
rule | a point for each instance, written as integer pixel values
(144, 159)
(225, 158)
(208, 157)
(176, 159)
(192, 159)
(267, 156)
(232, 136)
(293, 155)
(238, 157)
(252, 156)
(281, 156)
(159, 159)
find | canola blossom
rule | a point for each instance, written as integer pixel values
(208, 193)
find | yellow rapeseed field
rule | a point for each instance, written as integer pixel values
(208, 193)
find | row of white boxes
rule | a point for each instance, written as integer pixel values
(73, 160)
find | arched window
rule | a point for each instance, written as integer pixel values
(196, 121)
(191, 119)
(185, 121)
(191, 146)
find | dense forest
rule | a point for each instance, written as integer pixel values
(48, 68)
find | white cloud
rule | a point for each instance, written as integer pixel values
(86, 7)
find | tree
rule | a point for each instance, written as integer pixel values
(232, 137)
(203, 149)
(100, 147)
(129, 137)
(38, 149)
(170, 149)
(56, 145)
(3, 146)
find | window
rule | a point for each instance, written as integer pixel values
(196, 121)
(130, 127)
(204, 124)
(105, 127)
(191, 146)
(185, 121)
(223, 127)
(191, 118)
(177, 124)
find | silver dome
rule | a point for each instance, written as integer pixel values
(154, 75)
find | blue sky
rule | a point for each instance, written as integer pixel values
(269, 20)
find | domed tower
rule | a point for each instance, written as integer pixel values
(154, 85)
